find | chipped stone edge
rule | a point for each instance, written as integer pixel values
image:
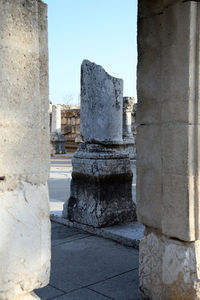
(101, 232)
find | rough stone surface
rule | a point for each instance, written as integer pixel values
(24, 143)
(25, 228)
(167, 139)
(30, 296)
(102, 103)
(169, 269)
(168, 148)
(101, 187)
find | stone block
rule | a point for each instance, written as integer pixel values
(171, 265)
(78, 121)
(73, 121)
(149, 72)
(25, 228)
(149, 175)
(176, 148)
(178, 92)
(179, 218)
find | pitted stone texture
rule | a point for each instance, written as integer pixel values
(167, 139)
(24, 98)
(24, 240)
(101, 188)
(169, 269)
(30, 296)
(101, 105)
(24, 143)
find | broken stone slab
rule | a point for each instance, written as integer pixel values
(101, 105)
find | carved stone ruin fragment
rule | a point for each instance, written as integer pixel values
(101, 187)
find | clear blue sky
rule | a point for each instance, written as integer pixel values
(103, 31)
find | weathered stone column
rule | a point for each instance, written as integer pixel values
(57, 139)
(56, 119)
(24, 149)
(101, 187)
(129, 142)
(168, 149)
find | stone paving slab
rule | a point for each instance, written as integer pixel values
(120, 285)
(128, 234)
(82, 294)
(90, 267)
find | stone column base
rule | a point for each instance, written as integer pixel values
(169, 268)
(58, 143)
(29, 296)
(101, 188)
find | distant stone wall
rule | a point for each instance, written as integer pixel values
(70, 126)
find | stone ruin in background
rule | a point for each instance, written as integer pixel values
(57, 139)
(101, 186)
(70, 126)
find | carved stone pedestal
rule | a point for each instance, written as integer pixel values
(101, 192)
(58, 143)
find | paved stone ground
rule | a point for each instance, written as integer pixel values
(84, 266)
(87, 267)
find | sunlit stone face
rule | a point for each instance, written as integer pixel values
(24, 148)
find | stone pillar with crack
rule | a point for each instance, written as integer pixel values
(101, 187)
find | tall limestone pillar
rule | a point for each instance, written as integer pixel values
(168, 149)
(101, 186)
(24, 149)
